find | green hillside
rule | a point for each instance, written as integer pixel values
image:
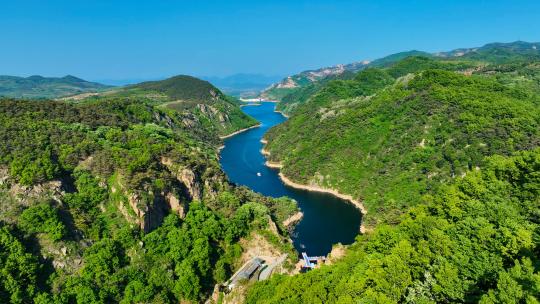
(183, 87)
(201, 105)
(118, 196)
(46, 87)
(388, 142)
(475, 58)
(300, 95)
(443, 152)
(117, 200)
(473, 241)
(393, 58)
(500, 52)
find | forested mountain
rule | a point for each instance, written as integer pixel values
(203, 107)
(46, 87)
(389, 135)
(182, 87)
(292, 83)
(474, 241)
(292, 92)
(498, 52)
(443, 152)
(119, 198)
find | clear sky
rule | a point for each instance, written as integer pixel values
(107, 39)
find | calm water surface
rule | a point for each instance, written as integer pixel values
(327, 219)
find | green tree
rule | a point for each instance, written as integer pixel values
(43, 218)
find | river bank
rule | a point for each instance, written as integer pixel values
(293, 219)
(327, 219)
(284, 115)
(287, 181)
(239, 131)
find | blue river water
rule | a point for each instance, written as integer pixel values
(327, 219)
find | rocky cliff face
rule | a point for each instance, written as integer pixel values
(14, 197)
(306, 77)
(141, 205)
(189, 179)
(147, 209)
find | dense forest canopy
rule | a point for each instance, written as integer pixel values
(118, 199)
(475, 240)
(443, 152)
(183, 87)
(389, 135)
(202, 106)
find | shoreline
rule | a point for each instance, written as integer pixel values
(278, 165)
(284, 115)
(219, 150)
(346, 197)
(239, 131)
(293, 219)
(287, 181)
(250, 105)
(273, 165)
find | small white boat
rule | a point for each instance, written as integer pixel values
(259, 174)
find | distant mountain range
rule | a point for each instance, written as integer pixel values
(46, 87)
(489, 53)
(239, 85)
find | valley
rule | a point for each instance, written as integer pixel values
(326, 219)
(415, 177)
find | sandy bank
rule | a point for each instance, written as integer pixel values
(293, 219)
(239, 131)
(274, 165)
(284, 115)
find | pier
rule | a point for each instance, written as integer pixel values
(309, 262)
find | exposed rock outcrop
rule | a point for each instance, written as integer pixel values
(176, 205)
(26, 194)
(187, 177)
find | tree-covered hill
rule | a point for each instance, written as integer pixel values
(46, 87)
(475, 240)
(499, 52)
(443, 152)
(183, 87)
(490, 54)
(116, 200)
(291, 100)
(201, 105)
(388, 136)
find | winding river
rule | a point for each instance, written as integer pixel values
(327, 219)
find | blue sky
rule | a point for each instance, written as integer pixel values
(98, 39)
